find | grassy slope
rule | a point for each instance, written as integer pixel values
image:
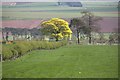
(0, 70)
(68, 61)
(0, 60)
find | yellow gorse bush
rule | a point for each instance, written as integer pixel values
(57, 28)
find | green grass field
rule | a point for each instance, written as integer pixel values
(73, 61)
(0, 70)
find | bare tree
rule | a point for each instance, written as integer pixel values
(87, 23)
(90, 21)
(77, 24)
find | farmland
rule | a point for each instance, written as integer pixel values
(112, 22)
(50, 59)
(51, 9)
(71, 61)
(20, 16)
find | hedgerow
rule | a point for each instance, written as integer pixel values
(8, 52)
(12, 51)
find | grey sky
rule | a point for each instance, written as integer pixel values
(55, 0)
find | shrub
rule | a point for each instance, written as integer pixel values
(7, 53)
(34, 45)
(22, 47)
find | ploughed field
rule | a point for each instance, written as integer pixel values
(71, 61)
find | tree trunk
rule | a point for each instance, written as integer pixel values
(90, 29)
(78, 36)
(90, 39)
(78, 41)
(56, 38)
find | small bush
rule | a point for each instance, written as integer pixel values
(22, 48)
(7, 53)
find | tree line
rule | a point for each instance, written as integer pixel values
(22, 31)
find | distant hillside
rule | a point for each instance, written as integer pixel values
(13, 3)
(71, 4)
(108, 24)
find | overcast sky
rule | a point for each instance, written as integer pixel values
(55, 0)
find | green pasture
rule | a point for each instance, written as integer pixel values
(0, 70)
(71, 61)
(0, 63)
(39, 15)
